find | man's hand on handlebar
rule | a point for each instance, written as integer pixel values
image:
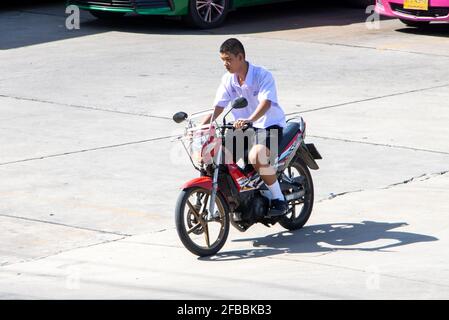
(242, 124)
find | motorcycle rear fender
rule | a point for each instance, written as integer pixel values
(204, 182)
(309, 153)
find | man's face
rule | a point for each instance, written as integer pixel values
(232, 63)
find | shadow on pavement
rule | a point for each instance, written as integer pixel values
(29, 25)
(24, 4)
(434, 30)
(326, 238)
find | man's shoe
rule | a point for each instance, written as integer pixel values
(278, 208)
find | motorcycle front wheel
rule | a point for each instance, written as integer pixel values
(198, 235)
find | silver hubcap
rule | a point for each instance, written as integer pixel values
(210, 10)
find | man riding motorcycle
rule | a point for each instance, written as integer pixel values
(263, 113)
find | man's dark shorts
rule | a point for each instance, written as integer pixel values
(252, 136)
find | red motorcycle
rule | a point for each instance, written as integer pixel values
(226, 193)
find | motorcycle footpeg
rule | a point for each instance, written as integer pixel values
(275, 213)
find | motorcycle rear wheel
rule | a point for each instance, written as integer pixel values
(192, 226)
(296, 220)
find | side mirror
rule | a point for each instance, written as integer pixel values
(179, 117)
(239, 103)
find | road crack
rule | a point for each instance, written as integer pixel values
(422, 177)
(65, 225)
(369, 99)
(419, 178)
(84, 107)
(377, 48)
(122, 237)
(86, 150)
(60, 252)
(380, 144)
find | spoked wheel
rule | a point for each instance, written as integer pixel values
(207, 14)
(301, 209)
(199, 236)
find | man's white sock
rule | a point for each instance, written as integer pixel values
(275, 190)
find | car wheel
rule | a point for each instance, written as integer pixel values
(207, 14)
(416, 24)
(106, 15)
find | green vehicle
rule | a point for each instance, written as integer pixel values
(199, 13)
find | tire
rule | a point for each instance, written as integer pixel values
(207, 14)
(183, 220)
(291, 221)
(416, 24)
(106, 15)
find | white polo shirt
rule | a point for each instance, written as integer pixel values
(259, 85)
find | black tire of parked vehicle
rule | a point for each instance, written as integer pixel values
(207, 14)
(106, 15)
(297, 221)
(416, 24)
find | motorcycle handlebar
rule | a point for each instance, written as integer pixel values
(230, 125)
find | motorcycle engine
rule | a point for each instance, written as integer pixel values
(253, 208)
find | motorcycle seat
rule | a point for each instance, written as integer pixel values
(289, 131)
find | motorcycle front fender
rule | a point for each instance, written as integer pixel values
(204, 182)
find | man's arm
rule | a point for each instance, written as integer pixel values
(267, 95)
(261, 109)
(217, 111)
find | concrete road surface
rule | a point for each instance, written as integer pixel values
(89, 177)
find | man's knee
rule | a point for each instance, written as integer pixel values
(259, 155)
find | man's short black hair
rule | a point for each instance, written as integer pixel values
(233, 46)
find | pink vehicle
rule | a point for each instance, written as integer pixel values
(415, 13)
